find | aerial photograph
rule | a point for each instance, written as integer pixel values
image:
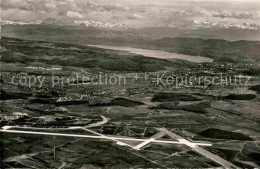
(93, 84)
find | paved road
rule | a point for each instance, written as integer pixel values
(180, 140)
(198, 149)
(63, 164)
(139, 146)
(88, 136)
(24, 156)
(159, 135)
(162, 132)
(169, 133)
(8, 129)
(104, 121)
(214, 157)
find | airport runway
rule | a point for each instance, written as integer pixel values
(224, 163)
(179, 140)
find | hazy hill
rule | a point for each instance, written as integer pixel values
(28, 52)
(213, 48)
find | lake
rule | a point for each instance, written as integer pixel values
(157, 53)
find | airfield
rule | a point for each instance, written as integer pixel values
(139, 124)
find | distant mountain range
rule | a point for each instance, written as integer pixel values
(194, 24)
(90, 23)
(101, 24)
(21, 23)
(189, 29)
(166, 39)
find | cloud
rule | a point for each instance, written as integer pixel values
(18, 15)
(137, 13)
(237, 15)
(74, 14)
(113, 7)
(69, 8)
(10, 4)
(135, 17)
(189, 13)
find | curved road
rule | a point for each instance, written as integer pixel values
(104, 121)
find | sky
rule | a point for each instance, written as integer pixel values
(134, 13)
